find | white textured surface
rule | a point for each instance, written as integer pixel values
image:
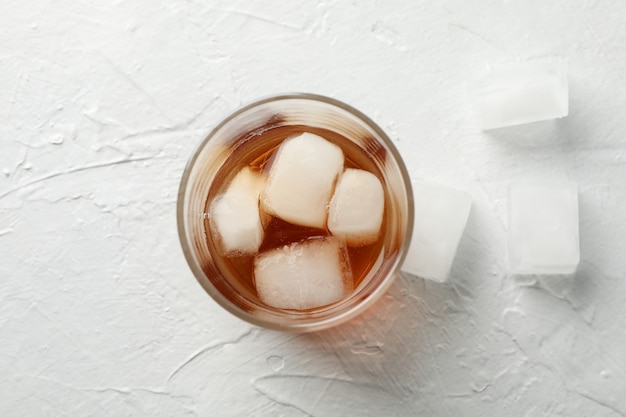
(102, 103)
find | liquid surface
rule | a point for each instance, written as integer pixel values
(255, 150)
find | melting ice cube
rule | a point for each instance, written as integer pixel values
(301, 180)
(543, 228)
(356, 208)
(440, 217)
(234, 216)
(303, 275)
(519, 93)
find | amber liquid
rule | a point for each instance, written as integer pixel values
(255, 150)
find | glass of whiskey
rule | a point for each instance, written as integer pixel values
(253, 139)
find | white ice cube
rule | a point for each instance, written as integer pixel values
(441, 213)
(301, 180)
(303, 275)
(356, 208)
(234, 216)
(513, 94)
(543, 228)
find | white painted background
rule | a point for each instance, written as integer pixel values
(101, 104)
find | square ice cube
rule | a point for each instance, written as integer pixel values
(235, 219)
(303, 275)
(526, 92)
(441, 213)
(543, 228)
(356, 208)
(301, 180)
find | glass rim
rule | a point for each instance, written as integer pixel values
(334, 320)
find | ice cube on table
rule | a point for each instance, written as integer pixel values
(234, 216)
(543, 228)
(441, 213)
(356, 207)
(301, 179)
(512, 94)
(303, 275)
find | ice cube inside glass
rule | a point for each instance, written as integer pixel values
(543, 227)
(303, 157)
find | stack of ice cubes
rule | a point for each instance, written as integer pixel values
(305, 184)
